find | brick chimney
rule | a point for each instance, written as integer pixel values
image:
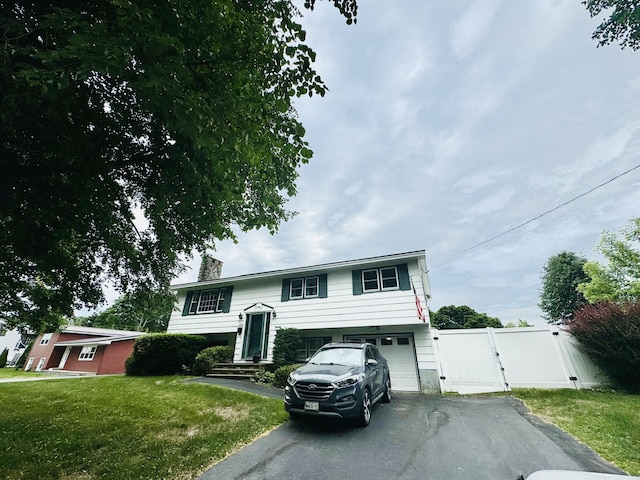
(210, 269)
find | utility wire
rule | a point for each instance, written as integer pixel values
(547, 212)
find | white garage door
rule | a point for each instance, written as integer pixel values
(400, 354)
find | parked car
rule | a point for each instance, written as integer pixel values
(340, 380)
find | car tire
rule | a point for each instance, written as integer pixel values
(365, 408)
(386, 397)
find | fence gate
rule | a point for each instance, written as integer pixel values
(494, 360)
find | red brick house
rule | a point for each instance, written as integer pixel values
(98, 351)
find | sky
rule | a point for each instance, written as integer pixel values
(447, 124)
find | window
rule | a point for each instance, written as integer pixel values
(386, 341)
(29, 363)
(41, 364)
(380, 279)
(304, 287)
(87, 353)
(208, 301)
(309, 346)
(403, 341)
(46, 338)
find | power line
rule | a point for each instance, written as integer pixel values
(547, 212)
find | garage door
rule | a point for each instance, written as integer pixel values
(399, 352)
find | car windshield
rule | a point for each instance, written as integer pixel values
(338, 356)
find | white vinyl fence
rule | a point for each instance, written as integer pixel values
(494, 360)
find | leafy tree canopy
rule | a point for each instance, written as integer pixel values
(142, 310)
(519, 323)
(619, 280)
(559, 296)
(132, 133)
(622, 25)
(461, 317)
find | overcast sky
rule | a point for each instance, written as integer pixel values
(449, 123)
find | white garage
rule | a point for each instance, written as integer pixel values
(399, 351)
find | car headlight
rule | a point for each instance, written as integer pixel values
(346, 382)
(290, 380)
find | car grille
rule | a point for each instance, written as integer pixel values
(314, 390)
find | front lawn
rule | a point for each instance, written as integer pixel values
(608, 422)
(125, 427)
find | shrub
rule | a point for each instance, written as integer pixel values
(208, 358)
(610, 335)
(264, 377)
(3, 357)
(163, 354)
(281, 374)
(285, 346)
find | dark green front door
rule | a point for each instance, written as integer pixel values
(255, 338)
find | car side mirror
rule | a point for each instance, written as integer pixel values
(372, 363)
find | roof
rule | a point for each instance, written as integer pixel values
(313, 268)
(96, 341)
(98, 331)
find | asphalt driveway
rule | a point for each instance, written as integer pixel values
(415, 437)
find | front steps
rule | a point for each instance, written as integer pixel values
(239, 371)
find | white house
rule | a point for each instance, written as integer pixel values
(381, 300)
(15, 342)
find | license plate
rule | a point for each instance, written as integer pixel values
(314, 406)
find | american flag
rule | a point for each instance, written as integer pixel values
(421, 315)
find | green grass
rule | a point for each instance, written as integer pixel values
(11, 372)
(125, 427)
(608, 422)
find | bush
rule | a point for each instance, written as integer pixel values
(610, 335)
(208, 358)
(264, 377)
(3, 357)
(281, 374)
(163, 354)
(285, 347)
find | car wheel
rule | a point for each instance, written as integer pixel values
(365, 412)
(386, 398)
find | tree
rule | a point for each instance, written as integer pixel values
(559, 296)
(622, 25)
(609, 334)
(142, 310)
(133, 133)
(519, 323)
(619, 280)
(462, 317)
(3, 357)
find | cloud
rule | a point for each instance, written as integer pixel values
(473, 26)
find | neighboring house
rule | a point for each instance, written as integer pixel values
(381, 300)
(91, 350)
(15, 342)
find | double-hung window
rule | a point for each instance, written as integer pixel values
(46, 338)
(208, 301)
(304, 287)
(377, 279)
(380, 279)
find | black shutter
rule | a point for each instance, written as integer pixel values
(285, 290)
(226, 305)
(322, 287)
(357, 282)
(403, 277)
(187, 302)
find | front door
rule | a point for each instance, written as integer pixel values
(255, 340)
